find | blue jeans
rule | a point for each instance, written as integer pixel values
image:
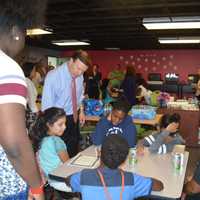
(20, 196)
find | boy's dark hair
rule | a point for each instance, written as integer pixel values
(40, 128)
(169, 118)
(27, 68)
(121, 104)
(114, 151)
(83, 56)
(22, 13)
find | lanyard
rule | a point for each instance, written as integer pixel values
(105, 187)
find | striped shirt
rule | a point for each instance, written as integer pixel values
(12, 90)
(156, 143)
(12, 81)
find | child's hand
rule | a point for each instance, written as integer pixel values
(189, 178)
(172, 127)
(140, 150)
(98, 151)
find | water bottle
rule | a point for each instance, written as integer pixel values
(132, 157)
(107, 109)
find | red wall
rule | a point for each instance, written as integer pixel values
(182, 62)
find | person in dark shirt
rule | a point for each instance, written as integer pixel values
(129, 85)
(117, 122)
(93, 81)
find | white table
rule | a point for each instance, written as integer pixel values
(156, 166)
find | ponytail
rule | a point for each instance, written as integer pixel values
(38, 132)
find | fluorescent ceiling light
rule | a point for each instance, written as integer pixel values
(112, 48)
(179, 40)
(70, 43)
(37, 31)
(172, 23)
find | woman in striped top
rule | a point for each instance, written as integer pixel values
(18, 170)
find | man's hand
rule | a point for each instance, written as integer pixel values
(82, 118)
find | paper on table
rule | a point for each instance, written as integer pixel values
(85, 161)
(179, 149)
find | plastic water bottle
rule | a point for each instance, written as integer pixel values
(107, 109)
(132, 157)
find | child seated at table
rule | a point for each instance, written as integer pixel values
(50, 149)
(109, 181)
(166, 138)
(117, 122)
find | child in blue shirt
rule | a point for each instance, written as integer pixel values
(46, 139)
(110, 182)
(117, 122)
